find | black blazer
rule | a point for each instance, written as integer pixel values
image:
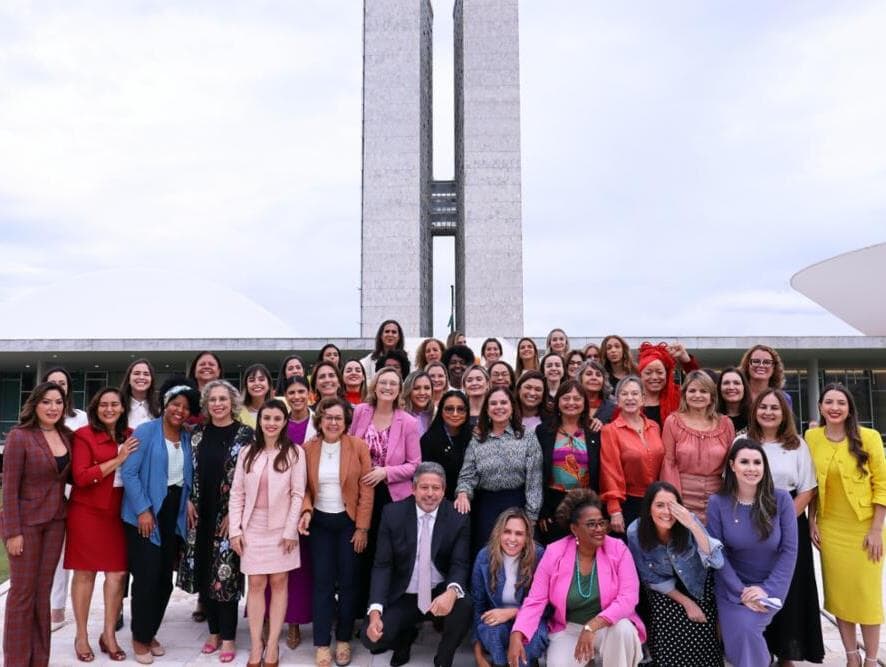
(396, 549)
(546, 438)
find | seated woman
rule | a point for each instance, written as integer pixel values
(758, 529)
(502, 575)
(591, 582)
(673, 553)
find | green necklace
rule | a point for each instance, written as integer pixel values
(586, 596)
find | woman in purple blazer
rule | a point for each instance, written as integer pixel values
(394, 444)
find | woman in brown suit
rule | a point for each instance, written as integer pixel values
(36, 463)
(337, 509)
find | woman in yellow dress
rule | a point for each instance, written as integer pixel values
(846, 523)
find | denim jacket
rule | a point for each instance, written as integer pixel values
(660, 567)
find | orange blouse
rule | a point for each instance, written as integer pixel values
(628, 463)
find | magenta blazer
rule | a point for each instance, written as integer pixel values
(404, 447)
(616, 575)
(286, 491)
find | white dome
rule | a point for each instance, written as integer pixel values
(138, 303)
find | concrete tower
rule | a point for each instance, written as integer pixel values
(403, 207)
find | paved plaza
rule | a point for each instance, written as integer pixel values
(183, 638)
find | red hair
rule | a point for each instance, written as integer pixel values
(669, 398)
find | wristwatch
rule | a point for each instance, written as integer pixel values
(588, 627)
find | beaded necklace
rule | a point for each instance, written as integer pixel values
(586, 596)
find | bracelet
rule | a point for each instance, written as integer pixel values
(588, 627)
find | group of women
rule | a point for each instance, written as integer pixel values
(656, 514)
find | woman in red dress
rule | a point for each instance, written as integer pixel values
(95, 540)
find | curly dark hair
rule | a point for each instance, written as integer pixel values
(570, 508)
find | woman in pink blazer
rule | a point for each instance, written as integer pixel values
(590, 580)
(263, 513)
(394, 444)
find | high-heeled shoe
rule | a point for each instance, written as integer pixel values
(272, 664)
(84, 656)
(117, 656)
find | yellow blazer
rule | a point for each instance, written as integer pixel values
(863, 490)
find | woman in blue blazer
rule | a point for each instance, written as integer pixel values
(502, 575)
(157, 480)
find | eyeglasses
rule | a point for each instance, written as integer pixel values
(332, 418)
(454, 409)
(597, 525)
(761, 362)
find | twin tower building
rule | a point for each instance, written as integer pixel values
(403, 207)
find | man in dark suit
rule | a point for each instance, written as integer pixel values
(421, 569)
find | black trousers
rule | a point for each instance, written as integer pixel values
(335, 566)
(151, 568)
(401, 617)
(222, 618)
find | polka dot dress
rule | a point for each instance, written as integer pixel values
(674, 640)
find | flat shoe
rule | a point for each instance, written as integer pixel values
(209, 648)
(227, 656)
(143, 658)
(157, 649)
(323, 657)
(342, 654)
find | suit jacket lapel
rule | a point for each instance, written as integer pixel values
(394, 434)
(439, 529)
(43, 446)
(411, 534)
(344, 459)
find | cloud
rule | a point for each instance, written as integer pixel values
(679, 165)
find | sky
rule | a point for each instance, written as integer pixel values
(681, 161)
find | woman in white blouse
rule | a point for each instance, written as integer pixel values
(795, 631)
(137, 391)
(336, 513)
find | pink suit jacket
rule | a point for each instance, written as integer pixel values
(404, 447)
(616, 576)
(286, 491)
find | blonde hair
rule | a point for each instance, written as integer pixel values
(707, 384)
(526, 560)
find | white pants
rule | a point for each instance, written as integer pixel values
(615, 646)
(58, 598)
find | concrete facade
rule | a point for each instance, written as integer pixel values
(489, 238)
(397, 226)
(397, 133)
